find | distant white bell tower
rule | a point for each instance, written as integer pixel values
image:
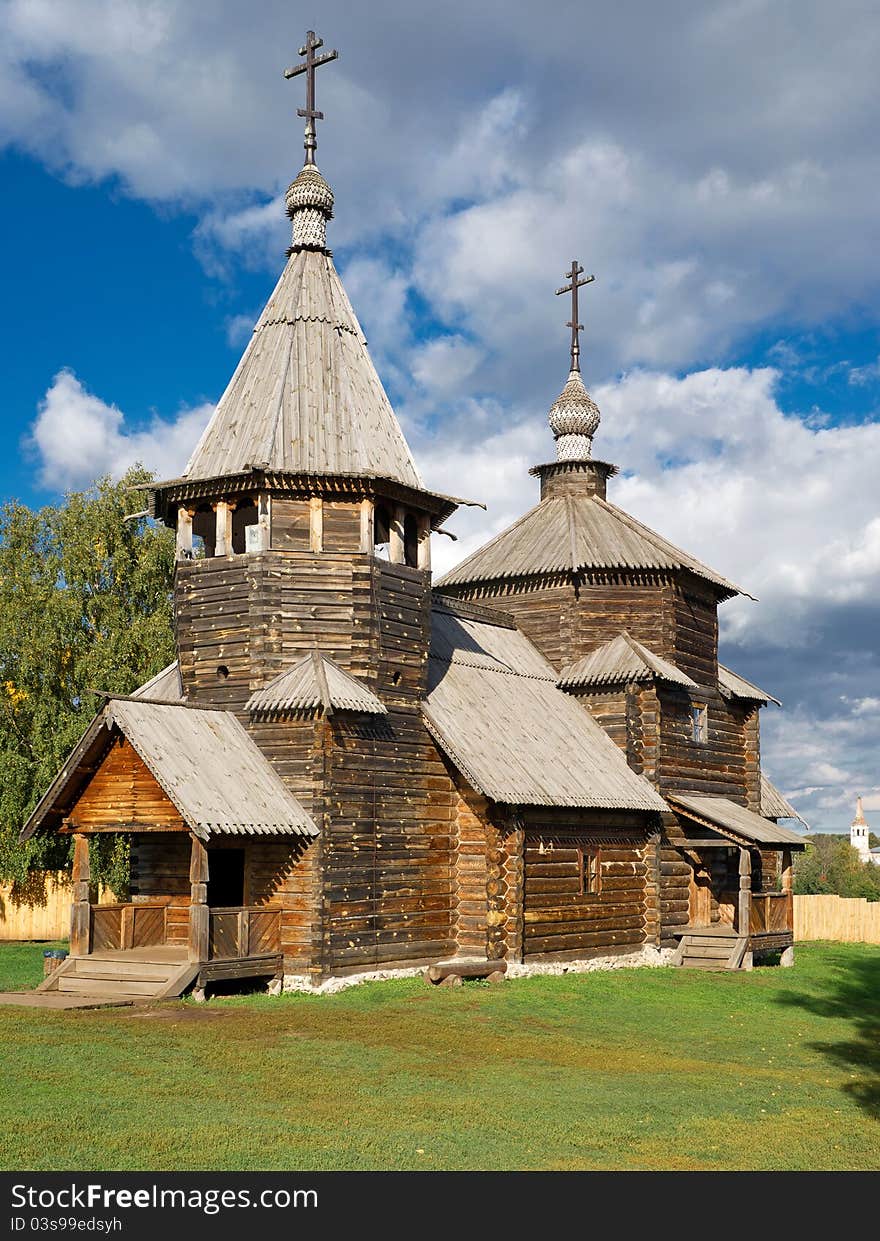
(858, 833)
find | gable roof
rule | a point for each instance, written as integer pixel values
(305, 397)
(727, 816)
(495, 710)
(732, 685)
(573, 534)
(621, 660)
(315, 681)
(203, 760)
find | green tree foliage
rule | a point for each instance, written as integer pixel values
(873, 840)
(831, 865)
(85, 605)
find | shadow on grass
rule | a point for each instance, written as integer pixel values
(853, 997)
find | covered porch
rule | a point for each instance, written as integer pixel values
(741, 902)
(156, 947)
(218, 889)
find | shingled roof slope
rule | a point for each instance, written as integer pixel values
(494, 708)
(774, 805)
(727, 816)
(203, 760)
(300, 688)
(622, 660)
(165, 686)
(305, 397)
(572, 534)
(732, 685)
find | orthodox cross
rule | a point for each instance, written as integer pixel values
(572, 288)
(308, 68)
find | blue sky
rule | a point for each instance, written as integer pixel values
(718, 171)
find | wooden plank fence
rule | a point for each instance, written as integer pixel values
(851, 920)
(39, 910)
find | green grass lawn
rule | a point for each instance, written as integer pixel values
(629, 1069)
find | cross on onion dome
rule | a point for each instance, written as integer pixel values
(572, 287)
(311, 114)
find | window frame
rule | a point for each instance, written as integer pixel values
(589, 870)
(699, 719)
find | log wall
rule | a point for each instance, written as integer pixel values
(721, 765)
(558, 920)
(389, 835)
(471, 872)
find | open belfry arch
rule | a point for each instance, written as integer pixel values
(348, 769)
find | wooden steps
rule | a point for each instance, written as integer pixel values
(705, 951)
(118, 980)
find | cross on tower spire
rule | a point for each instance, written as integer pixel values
(308, 68)
(572, 287)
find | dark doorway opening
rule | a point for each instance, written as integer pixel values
(226, 877)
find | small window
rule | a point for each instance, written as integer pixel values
(590, 871)
(699, 723)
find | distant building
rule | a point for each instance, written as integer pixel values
(860, 837)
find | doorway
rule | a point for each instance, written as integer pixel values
(700, 895)
(226, 878)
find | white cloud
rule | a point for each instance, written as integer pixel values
(239, 328)
(78, 437)
(443, 365)
(861, 376)
(707, 205)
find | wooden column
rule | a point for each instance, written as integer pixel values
(264, 521)
(787, 957)
(80, 914)
(424, 542)
(199, 916)
(316, 524)
(395, 541)
(367, 526)
(184, 533)
(223, 534)
(787, 872)
(745, 891)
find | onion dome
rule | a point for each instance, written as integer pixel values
(574, 418)
(309, 203)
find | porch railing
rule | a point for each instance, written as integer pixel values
(234, 932)
(244, 931)
(771, 913)
(128, 926)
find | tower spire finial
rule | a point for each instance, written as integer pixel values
(572, 287)
(574, 415)
(310, 112)
(310, 199)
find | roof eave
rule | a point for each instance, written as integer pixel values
(167, 492)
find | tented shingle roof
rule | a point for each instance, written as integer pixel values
(300, 688)
(305, 397)
(495, 710)
(572, 534)
(620, 661)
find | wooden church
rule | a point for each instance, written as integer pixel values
(349, 768)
